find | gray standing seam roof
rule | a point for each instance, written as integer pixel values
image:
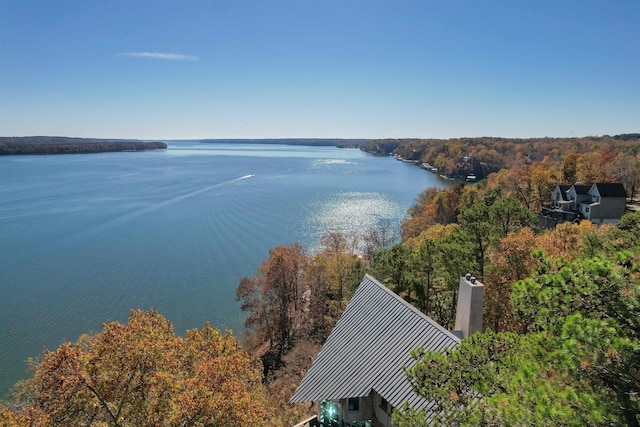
(368, 347)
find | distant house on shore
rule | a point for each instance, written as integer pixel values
(357, 377)
(600, 203)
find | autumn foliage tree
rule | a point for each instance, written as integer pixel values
(298, 296)
(510, 263)
(142, 374)
(626, 169)
(433, 206)
(273, 297)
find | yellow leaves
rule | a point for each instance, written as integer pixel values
(562, 242)
(454, 396)
(7, 418)
(591, 167)
(585, 226)
(435, 233)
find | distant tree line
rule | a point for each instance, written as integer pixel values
(317, 142)
(63, 145)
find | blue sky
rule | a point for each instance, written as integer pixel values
(159, 69)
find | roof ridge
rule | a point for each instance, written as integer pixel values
(369, 346)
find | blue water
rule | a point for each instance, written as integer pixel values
(85, 238)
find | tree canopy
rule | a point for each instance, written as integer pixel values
(459, 157)
(142, 374)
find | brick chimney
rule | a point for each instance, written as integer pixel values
(470, 302)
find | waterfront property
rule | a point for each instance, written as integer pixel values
(600, 203)
(357, 377)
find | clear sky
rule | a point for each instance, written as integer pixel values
(160, 69)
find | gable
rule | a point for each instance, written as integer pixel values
(609, 189)
(368, 348)
(560, 193)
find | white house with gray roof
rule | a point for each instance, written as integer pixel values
(600, 203)
(357, 377)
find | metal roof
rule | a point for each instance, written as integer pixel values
(368, 348)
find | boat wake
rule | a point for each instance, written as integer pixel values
(156, 206)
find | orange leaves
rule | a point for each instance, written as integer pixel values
(143, 374)
(432, 206)
(512, 261)
(567, 239)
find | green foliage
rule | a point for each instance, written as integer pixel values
(394, 267)
(578, 363)
(489, 218)
(507, 214)
(627, 234)
(427, 274)
(560, 289)
(499, 379)
(476, 230)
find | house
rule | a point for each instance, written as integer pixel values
(561, 208)
(578, 193)
(560, 198)
(606, 203)
(357, 376)
(601, 203)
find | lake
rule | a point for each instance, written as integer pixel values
(85, 238)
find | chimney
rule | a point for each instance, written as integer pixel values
(470, 302)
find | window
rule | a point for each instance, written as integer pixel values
(586, 209)
(383, 404)
(354, 404)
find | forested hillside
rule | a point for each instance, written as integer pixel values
(459, 157)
